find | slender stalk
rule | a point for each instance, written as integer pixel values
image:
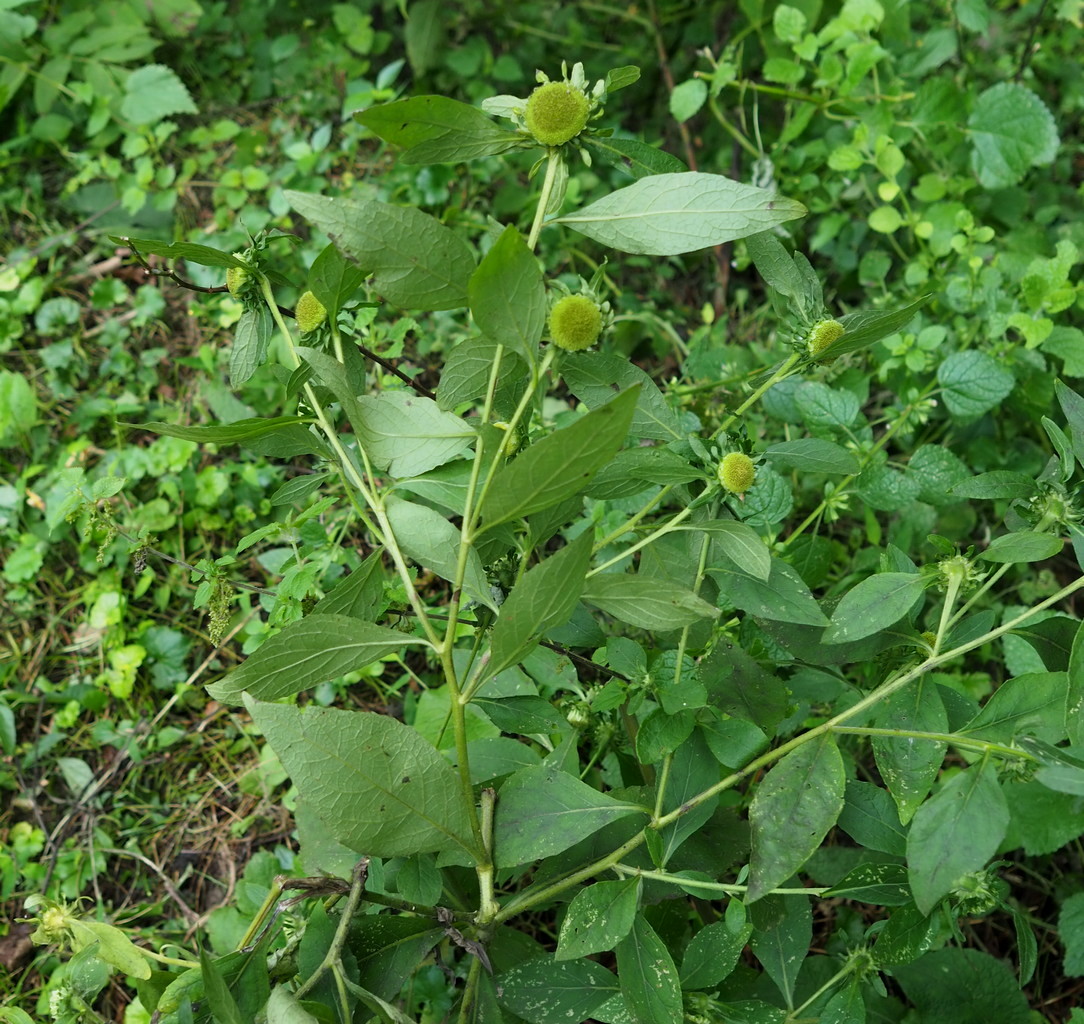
(334, 952)
(726, 888)
(782, 373)
(553, 162)
(965, 743)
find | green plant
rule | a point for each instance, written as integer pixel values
(630, 724)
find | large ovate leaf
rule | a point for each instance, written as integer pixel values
(561, 464)
(416, 262)
(669, 214)
(308, 652)
(375, 783)
(638, 158)
(796, 804)
(542, 811)
(409, 434)
(436, 129)
(549, 991)
(598, 917)
(649, 979)
(874, 604)
(907, 765)
(507, 296)
(425, 536)
(646, 602)
(592, 378)
(954, 832)
(223, 433)
(1011, 131)
(545, 597)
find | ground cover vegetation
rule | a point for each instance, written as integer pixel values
(541, 512)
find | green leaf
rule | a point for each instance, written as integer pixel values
(18, 405)
(712, 955)
(637, 158)
(1011, 131)
(874, 604)
(251, 339)
(593, 376)
(561, 464)
(973, 383)
(796, 804)
(812, 455)
(543, 811)
(1042, 820)
(906, 936)
(783, 597)
(435, 129)
(548, 991)
(389, 948)
(598, 918)
(789, 275)
(938, 470)
(467, 368)
(283, 1008)
(956, 831)
(909, 766)
(219, 997)
(523, 715)
(425, 34)
(670, 214)
(687, 98)
(846, 1007)
(114, 947)
(545, 597)
(154, 92)
(507, 296)
(1074, 701)
(870, 818)
(633, 470)
(865, 327)
(884, 885)
(823, 406)
(1024, 546)
(963, 986)
(738, 542)
(360, 595)
(308, 652)
(646, 602)
(333, 280)
(1031, 704)
(221, 433)
(425, 536)
(407, 433)
(783, 931)
(375, 783)
(1071, 933)
(998, 483)
(649, 979)
(417, 262)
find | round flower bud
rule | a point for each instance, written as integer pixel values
(310, 313)
(823, 334)
(556, 112)
(237, 278)
(575, 323)
(737, 472)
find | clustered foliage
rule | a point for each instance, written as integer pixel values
(618, 656)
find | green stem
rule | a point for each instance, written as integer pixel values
(653, 536)
(782, 373)
(981, 746)
(334, 952)
(726, 888)
(553, 162)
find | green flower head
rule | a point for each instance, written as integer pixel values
(737, 472)
(557, 112)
